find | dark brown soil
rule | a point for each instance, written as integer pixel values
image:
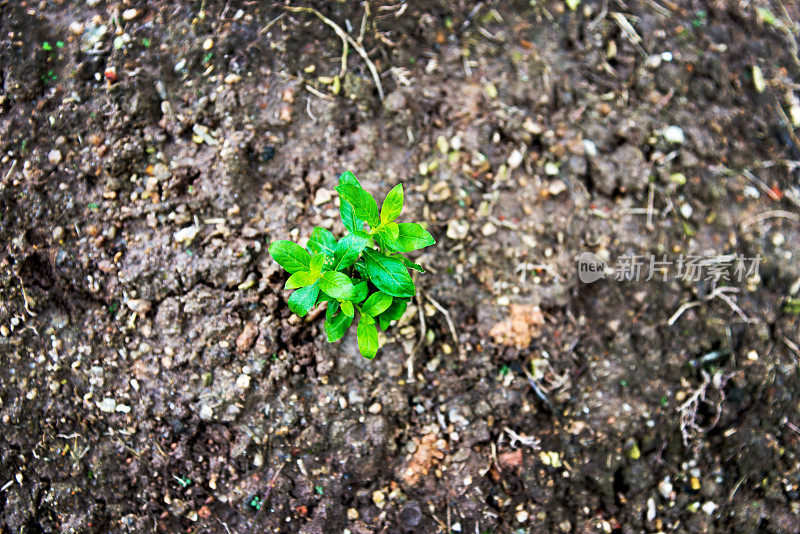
(151, 383)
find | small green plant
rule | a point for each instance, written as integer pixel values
(364, 272)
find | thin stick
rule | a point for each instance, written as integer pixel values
(450, 324)
(772, 214)
(344, 36)
(422, 332)
(317, 93)
(685, 306)
(650, 197)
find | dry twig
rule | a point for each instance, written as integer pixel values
(346, 39)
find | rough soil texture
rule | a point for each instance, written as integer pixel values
(153, 379)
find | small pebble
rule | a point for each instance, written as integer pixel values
(58, 233)
(76, 27)
(54, 157)
(322, 196)
(522, 516)
(665, 488)
(375, 408)
(556, 188)
(206, 413)
(130, 14)
(457, 229)
(185, 234)
(378, 498)
(515, 159)
(107, 405)
(550, 169)
(243, 382)
(489, 229)
(709, 507)
(687, 211)
(673, 134)
(352, 514)
(208, 44)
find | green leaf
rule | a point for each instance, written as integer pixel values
(300, 279)
(376, 304)
(337, 285)
(410, 264)
(304, 299)
(388, 274)
(347, 308)
(393, 312)
(361, 292)
(363, 203)
(413, 236)
(336, 326)
(367, 337)
(347, 251)
(316, 263)
(346, 210)
(333, 307)
(387, 242)
(290, 256)
(396, 310)
(322, 240)
(392, 204)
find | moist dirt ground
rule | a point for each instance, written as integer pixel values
(152, 378)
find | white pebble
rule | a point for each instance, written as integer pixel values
(375, 408)
(54, 157)
(709, 507)
(673, 134)
(665, 488)
(185, 234)
(130, 14)
(687, 211)
(243, 382)
(107, 405)
(515, 159)
(206, 412)
(489, 229)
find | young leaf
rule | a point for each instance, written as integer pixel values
(387, 242)
(396, 310)
(300, 279)
(376, 304)
(367, 337)
(290, 256)
(360, 293)
(392, 204)
(393, 312)
(388, 274)
(347, 251)
(337, 285)
(347, 308)
(304, 299)
(333, 307)
(322, 240)
(363, 203)
(410, 264)
(316, 263)
(336, 326)
(413, 236)
(346, 211)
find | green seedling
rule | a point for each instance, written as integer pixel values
(362, 274)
